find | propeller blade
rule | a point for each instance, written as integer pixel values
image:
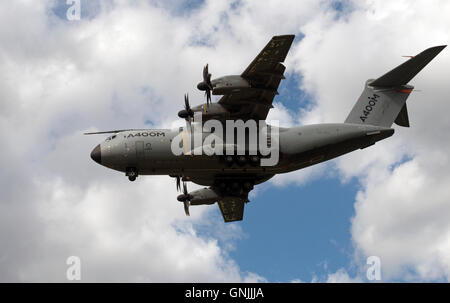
(187, 106)
(189, 112)
(208, 97)
(186, 207)
(188, 128)
(178, 183)
(186, 199)
(205, 72)
(208, 81)
(207, 77)
(185, 192)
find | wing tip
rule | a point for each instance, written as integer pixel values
(435, 49)
(288, 36)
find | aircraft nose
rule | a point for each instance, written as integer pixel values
(96, 154)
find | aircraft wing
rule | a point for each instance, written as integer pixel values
(232, 208)
(231, 204)
(264, 74)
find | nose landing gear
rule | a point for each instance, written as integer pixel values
(131, 173)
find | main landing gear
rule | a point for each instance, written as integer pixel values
(235, 187)
(242, 160)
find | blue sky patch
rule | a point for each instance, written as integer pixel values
(298, 232)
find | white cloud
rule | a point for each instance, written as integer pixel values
(133, 62)
(137, 233)
(281, 114)
(402, 218)
(341, 276)
(300, 177)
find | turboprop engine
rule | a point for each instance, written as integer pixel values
(204, 196)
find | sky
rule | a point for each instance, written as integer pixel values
(128, 63)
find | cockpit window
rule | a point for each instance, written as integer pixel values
(110, 138)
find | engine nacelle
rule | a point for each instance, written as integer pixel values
(203, 196)
(211, 111)
(229, 84)
(220, 86)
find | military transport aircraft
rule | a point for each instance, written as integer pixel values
(230, 177)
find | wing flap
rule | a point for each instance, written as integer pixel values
(232, 208)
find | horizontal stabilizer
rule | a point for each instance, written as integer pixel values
(403, 73)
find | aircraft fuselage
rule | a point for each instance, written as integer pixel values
(149, 151)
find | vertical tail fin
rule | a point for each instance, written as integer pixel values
(383, 100)
(379, 106)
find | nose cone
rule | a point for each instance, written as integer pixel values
(96, 154)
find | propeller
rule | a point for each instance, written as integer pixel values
(206, 84)
(187, 112)
(185, 198)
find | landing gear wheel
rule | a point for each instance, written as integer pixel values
(254, 160)
(131, 173)
(241, 160)
(229, 160)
